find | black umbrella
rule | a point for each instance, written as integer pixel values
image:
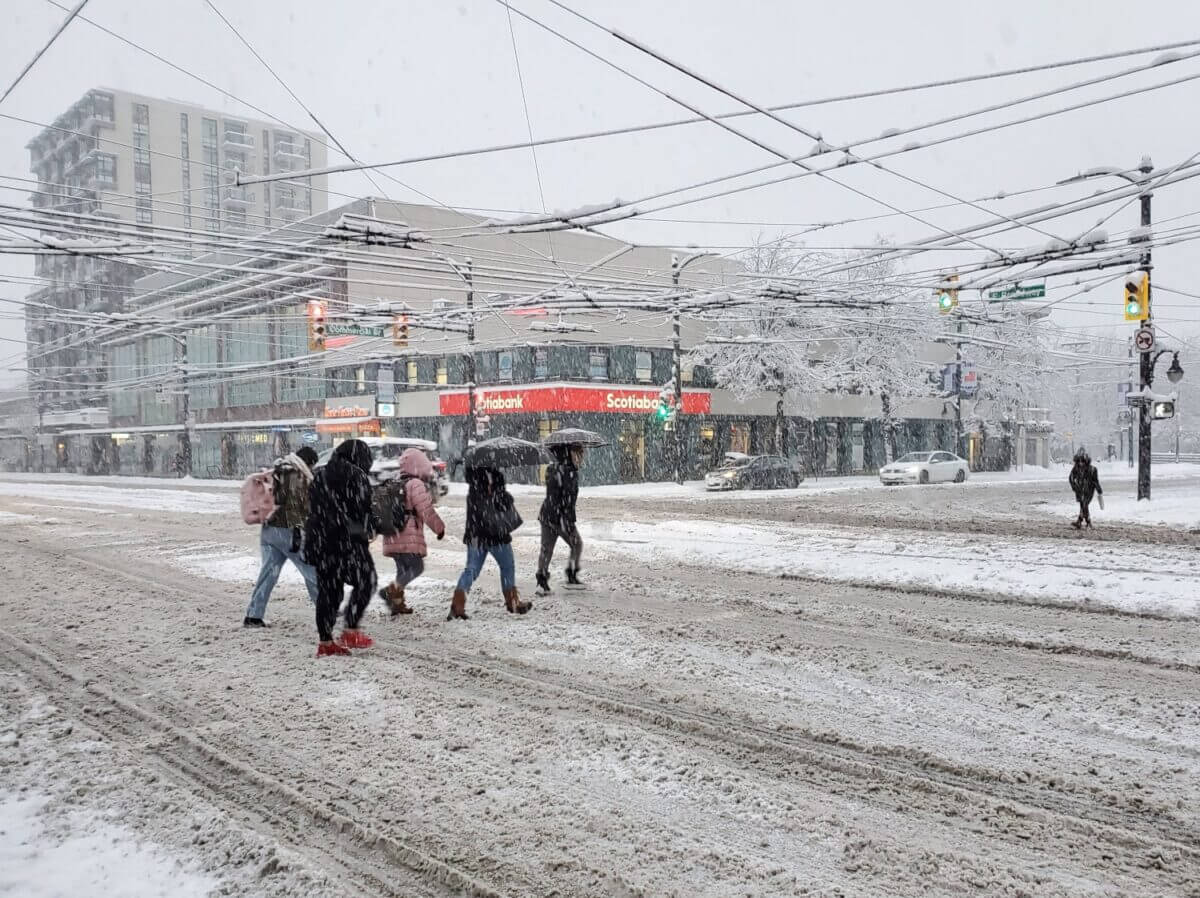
(504, 452)
(575, 436)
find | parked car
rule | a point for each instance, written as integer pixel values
(753, 472)
(925, 467)
(386, 452)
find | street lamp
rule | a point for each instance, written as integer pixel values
(1175, 372)
(677, 267)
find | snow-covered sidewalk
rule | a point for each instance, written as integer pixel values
(1144, 579)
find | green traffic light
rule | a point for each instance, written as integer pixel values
(1133, 307)
(945, 300)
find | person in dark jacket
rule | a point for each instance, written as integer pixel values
(281, 534)
(491, 519)
(557, 517)
(1085, 481)
(337, 543)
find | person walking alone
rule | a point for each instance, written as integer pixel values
(337, 542)
(1085, 481)
(407, 545)
(557, 517)
(282, 533)
(491, 519)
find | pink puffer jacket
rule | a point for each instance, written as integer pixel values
(421, 514)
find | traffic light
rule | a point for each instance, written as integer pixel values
(664, 411)
(400, 330)
(1137, 296)
(316, 325)
(947, 296)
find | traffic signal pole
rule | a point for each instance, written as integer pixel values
(1146, 366)
(678, 360)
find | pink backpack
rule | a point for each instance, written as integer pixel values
(258, 503)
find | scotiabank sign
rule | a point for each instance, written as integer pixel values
(532, 400)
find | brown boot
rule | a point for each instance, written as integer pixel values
(512, 601)
(393, 597)
(458, 606)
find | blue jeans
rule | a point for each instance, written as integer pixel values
(276, 545)
(477, 555)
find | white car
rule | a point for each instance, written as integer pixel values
(925, 467)
(386, 451)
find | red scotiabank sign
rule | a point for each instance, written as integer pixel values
(532, 400)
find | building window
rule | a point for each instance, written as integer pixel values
(360, 380)
(442, 377)
(141, 116)
(412, 372)
(598, 364)
(505, 362)
(102, 107)
(687, 370)
(106, 171)
(541, 364)
(642, 367)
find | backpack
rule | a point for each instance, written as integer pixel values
(389, 503)
(258, 502)
(290, 492)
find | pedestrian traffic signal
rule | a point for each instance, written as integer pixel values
(400, 330)
(1137, 297)
(1163, 409)
(316, 325)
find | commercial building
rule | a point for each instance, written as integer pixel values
(227, 361)
(125, 161)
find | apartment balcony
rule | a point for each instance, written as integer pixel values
(237, 197)
(238, 141)
(290, 154)
(81, 163)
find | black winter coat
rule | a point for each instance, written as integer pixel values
(1085, 481)
(491, 513)
(562, 494)
(340, 517)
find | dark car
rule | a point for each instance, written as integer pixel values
(753, 472)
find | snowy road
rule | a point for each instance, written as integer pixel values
(775, 695)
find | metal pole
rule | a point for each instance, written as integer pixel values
(958, 360)
(41, 409)
(1129, 454)
(185, 446)
(675, 343)
(1147, 373)
(472, 419)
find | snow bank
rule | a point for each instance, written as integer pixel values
(93, 857)
(1142, 579)
(136, 500)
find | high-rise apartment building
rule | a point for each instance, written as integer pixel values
(158, 165)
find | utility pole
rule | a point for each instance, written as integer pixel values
(472, 416)
(1129, 453)
(1143, 491)
(958, 395)
(676, 268)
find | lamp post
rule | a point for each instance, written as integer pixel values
(677, 267)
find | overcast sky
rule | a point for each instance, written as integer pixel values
(395, 79)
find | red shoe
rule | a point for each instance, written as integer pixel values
(355, 639)
(330, 648)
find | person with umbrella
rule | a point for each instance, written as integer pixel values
(491, 519)
(557, 515)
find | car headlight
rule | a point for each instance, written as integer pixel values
(729, 475)
(912, 470)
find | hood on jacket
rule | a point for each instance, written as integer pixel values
(357, 453)
(295, 461)
(1082, 457)
(485, 479)
(415, 463)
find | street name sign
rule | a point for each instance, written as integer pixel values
(354, 330)
(1008, 294)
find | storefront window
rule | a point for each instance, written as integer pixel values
(541, 364)
(708, 447)
(442, 377)
(506, 367)
(598, 364)
(642, 367)
(632, 444)
(546, 426)
(856, 447)
(412, 372)
(739, 438)
(831, 446)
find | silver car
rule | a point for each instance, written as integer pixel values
(925, 467)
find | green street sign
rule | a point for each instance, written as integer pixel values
(354, 330)
(1007, 294)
